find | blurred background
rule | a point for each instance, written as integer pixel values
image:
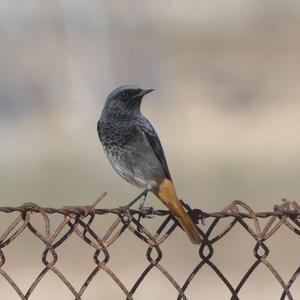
(226, 107)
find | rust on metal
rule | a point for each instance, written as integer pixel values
(79, 219)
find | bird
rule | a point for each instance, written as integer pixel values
(134, 150)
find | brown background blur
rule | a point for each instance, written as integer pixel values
(226, 107)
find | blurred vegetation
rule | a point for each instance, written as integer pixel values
(226, 104)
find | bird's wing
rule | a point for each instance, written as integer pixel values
(153, 140)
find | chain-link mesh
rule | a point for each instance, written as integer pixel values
(78, 221)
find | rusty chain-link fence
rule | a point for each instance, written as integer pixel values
(78, 221)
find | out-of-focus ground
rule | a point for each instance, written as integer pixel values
(226, 108)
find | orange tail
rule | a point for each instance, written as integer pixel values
(166, 193)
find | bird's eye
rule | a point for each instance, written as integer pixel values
(124, 94)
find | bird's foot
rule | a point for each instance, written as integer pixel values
(146, 212)
(125, 214)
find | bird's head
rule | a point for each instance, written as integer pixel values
(126, 97)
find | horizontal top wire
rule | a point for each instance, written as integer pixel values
(291, 209)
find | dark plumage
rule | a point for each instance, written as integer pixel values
(133, 148)
(129, 140)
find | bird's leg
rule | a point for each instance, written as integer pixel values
(143, 201)
(142, 195)
(139, 227)
(127, 207)
(142, 207)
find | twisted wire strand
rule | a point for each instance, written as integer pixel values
(78, 220)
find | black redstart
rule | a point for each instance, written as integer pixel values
(135, 152)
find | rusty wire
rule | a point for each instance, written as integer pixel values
(78, 220)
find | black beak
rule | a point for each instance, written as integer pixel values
(142, 93)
